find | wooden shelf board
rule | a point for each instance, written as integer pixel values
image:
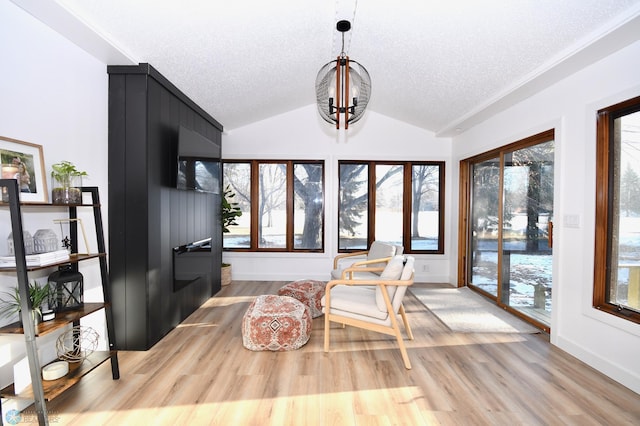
(40, 204)
(73, 258)
(53, 388)
(61, 320)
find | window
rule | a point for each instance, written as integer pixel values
(617, 245)
(282, 204)
(397, 202)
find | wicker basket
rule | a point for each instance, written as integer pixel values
(225, 275)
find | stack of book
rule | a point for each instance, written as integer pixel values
(40, 259)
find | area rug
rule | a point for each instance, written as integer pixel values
(465, 311)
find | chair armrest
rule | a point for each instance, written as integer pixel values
(362, 266)
(346, 255)
(347, 273)
(397, 283)
(372, 261)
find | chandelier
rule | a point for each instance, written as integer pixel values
(343, 87)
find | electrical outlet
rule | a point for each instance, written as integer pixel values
(425, 268)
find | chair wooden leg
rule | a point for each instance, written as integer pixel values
(400, 340)
(407, 327)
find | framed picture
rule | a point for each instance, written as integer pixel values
(24, 162)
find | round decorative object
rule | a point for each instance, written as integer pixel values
(331, 98)
(76, 344)
(44, 241)
(55, 370)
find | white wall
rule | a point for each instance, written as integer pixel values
(55, 95)
(607, 343)
(302, 134)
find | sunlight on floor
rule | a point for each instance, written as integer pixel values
(226, 301)
(312, 409)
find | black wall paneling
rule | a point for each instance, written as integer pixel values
(148, 217)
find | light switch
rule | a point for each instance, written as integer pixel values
(571, 221)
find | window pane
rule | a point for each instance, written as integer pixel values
(425, 207)
(389, 196)
(272, 211)
(624, 280)
(485, 192)
(237, 176)
(308, 206)
(354, 203)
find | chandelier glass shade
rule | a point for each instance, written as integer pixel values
(343, 88)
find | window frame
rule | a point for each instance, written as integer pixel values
(605, 168)
(406, 203)
(254, 166)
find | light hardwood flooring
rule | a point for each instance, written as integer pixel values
(200, 374)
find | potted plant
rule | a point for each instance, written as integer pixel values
(10, 303)
(230, 212)
(66, 180)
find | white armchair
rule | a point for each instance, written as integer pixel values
(376, 257)
(372, 304)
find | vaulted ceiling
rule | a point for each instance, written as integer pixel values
(439, 65)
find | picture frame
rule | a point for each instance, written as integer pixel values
(16, 156)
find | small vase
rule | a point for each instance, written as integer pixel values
(34, 316)
(67, 191)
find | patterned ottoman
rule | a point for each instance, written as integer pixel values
(309, 292)
(276, 323)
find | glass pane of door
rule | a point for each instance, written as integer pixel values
(485, 194)
(527, 216)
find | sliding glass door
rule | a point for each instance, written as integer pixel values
(510, 216)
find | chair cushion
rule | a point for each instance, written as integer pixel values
(408, 268)
(392, 272)
(379, 250)
(394, 268)
(355, 300)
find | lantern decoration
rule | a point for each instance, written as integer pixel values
(66, 289)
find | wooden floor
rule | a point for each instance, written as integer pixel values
(200, 374)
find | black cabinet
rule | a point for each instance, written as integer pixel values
(148, 216)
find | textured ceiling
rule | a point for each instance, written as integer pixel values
(433, 64)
